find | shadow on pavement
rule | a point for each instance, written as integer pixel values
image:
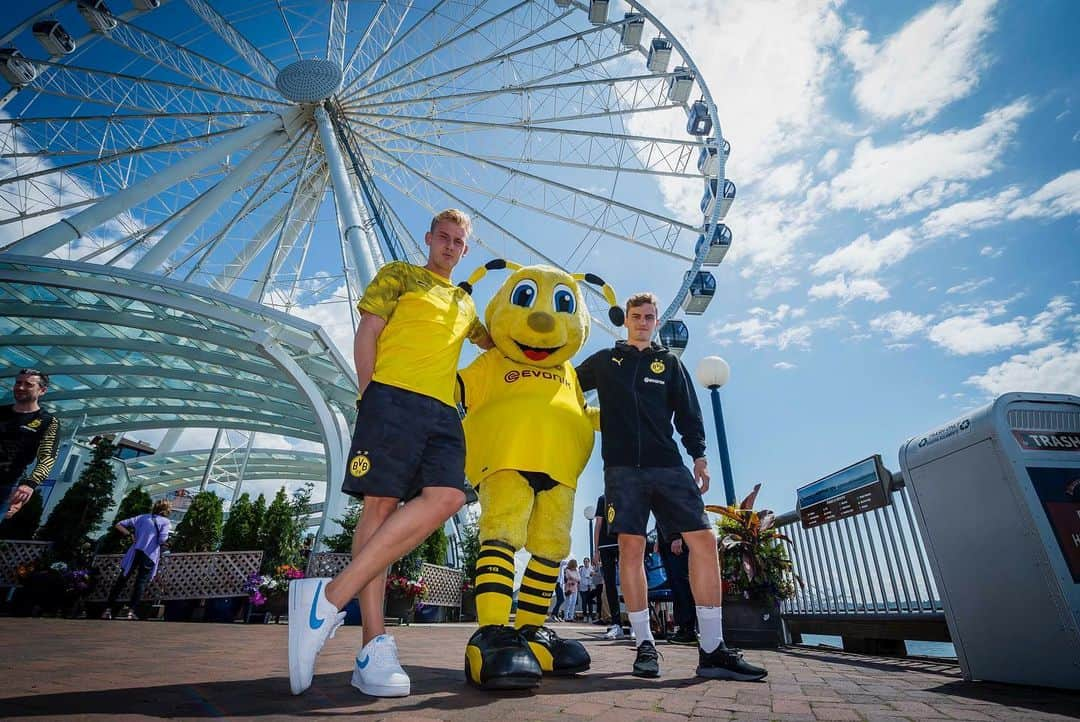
(330, 695)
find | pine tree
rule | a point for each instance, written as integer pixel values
(342, 542)
(25, 523)
(258, 515)
(83, 507)
(280, 538)
(136, 502)
(241, 531)
(200, 529)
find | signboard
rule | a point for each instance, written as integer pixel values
(1047, 440)
(858, 488)
(1059, 492)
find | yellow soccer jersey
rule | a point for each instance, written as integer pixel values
(427, 320)
(525, 418)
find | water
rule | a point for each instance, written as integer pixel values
(915, 648)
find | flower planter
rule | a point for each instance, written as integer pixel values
(752, 623)
(430, 614)
(223, 609)
(400, 606)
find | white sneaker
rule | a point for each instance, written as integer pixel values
(614, 632)
(377, 672)
(312, 621)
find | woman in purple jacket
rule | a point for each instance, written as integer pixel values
(151, 531)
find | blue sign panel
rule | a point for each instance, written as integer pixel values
(860, 487)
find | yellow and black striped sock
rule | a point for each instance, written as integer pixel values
(494, 582)
(534, 596)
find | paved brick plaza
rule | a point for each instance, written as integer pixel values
(61, 669)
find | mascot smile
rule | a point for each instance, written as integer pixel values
(528, 435)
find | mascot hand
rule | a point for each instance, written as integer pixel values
(593, 412)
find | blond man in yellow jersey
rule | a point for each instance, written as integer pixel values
(407, 447)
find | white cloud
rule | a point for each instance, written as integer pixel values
(923, 169)
(847, 291)
(933, 60)
(976, 333)
(771, 284)
(784, 366)
(969, 286)
(828, 161)
(783, 180)
(990, 251)
(960, 219)
(1054, 368)
(797, 336)
(865, 256)
(900, 324)
(1058, 198)
(763, 328)
(333, 315)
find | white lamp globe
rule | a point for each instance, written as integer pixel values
(713, 371)
(590, 512)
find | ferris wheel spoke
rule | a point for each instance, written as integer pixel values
(190, 64)
(414, 65)
(596, 218)
(195, 143)
(240, 44)
(569, 146)
(381, 39)
(254, 202)
(335, 36)
(565, 54)
(560, 191)
(298, 214)
(130, 92)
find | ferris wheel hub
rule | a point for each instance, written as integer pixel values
(309, 81)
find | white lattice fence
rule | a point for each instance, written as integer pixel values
(14, 553)
(444, 583)
(189, 575)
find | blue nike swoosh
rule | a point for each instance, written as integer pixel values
(363, 663)
(313, 619)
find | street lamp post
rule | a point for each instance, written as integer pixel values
(590, 514)
(712, 373)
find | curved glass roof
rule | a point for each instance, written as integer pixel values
(129, 351)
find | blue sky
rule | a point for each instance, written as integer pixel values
(906, 242)
(905, 232)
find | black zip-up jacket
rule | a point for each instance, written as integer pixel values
(639, 393)
(25, 437)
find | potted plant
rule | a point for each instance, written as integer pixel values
(269, 593)
(757, 573)
(402, 596)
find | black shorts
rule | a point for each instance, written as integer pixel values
(403, 442)
(669, 492)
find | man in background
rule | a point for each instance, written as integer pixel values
(28, 434)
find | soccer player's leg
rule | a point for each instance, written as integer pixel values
(548, 542)
(496, 656)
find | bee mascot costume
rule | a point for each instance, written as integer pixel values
(528, 435)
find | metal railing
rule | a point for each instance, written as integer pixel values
(868, 567)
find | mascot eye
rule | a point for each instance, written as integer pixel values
(565, 302)
(524, 294)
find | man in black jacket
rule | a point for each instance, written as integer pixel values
(27, 433)
(641, 386)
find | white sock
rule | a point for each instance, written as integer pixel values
(639, 622)
(710, 627)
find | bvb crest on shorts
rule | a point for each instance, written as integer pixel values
(359, 465)
(611, 514)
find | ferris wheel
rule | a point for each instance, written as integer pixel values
(281, 151)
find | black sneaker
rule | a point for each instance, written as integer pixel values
(647, 663)
(726, 663)
(684, 637)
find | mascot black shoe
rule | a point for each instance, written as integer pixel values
(557, 656)
(498, 657)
